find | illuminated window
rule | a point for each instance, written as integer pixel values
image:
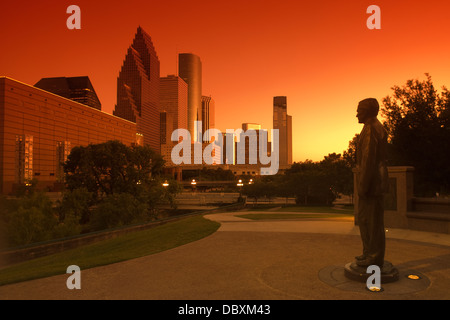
(24, 158)
(62, 152)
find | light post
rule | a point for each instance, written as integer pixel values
(240, 184)
(193, 184)
(165, 184)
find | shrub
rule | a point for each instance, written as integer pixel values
(30, 219)
(118, 210)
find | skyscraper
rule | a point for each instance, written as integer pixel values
(138, 88)
(283, 122)
(190, 70)
(208, 114)
(78, 89)
(174, 100)
(251, 146)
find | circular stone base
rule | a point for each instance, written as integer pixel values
(333, 275)
(354, 272)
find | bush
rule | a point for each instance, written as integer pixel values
(30, 219)
(118, 210)
(76, 205)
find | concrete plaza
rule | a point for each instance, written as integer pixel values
(261, 260)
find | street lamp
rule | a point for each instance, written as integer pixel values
(240, 184)
(193, 184)
(251, 181)
(165, 184)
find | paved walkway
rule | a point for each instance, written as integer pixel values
(246, 259)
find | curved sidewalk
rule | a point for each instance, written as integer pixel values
(264, 260)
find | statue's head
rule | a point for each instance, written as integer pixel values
(367, 108)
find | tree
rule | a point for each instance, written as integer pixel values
(339, 173)
(111, 184)
(118, 209)
(76, 204)
(255, 190)
(111, 167)
(310, 183)
(349, 155)
(417, 120)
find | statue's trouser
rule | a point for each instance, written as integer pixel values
(371, 226)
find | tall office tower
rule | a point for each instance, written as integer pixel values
(190, 70)
(229, 148)
(208, 114)
(78, 89)
(251, 126)
(250, 140)
(166, 127)
(174, 100)
(138, 89)
(289, 139)
(283, 122)
(251, 145)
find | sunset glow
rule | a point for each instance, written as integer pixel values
(321, 55)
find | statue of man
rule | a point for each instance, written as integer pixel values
(373, 182)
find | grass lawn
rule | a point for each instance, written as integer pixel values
(129, 246)
(315, 210)
(299, 212)
(287, 216)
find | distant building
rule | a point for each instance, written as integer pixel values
(229, 149)
(166, 127)
(138, 89)
(248, 144)
(190, 70)
(78, 89)
(208, 114)
(173, 101)
(283, 122)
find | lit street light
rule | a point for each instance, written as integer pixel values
(240, 184)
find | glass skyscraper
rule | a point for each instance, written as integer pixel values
(138, 87)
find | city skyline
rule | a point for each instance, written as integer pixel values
(322, 56)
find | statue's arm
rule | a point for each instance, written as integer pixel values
(368, 167)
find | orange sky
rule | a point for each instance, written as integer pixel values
(319, 54)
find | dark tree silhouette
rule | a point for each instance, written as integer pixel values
(417, 120)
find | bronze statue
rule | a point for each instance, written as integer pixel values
(372, 183)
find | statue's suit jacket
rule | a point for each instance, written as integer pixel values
(371, 160)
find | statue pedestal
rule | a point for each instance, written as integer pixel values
(354, 272)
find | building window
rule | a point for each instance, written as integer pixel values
(62, 152)
(139, 140)
(24, 159)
